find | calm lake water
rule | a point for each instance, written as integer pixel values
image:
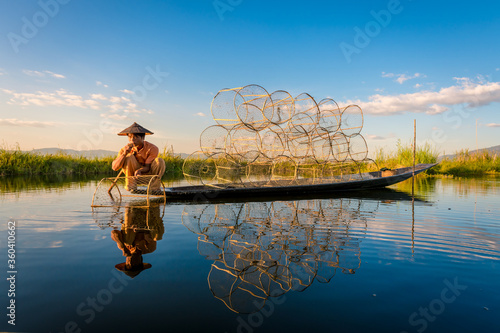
(358, 262)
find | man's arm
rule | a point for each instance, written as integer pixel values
(118, 238)
(118, 162)
(151, 156)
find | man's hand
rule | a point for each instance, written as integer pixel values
(128, 148)
(143, 171)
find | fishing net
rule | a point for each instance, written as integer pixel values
(351, 120)
(273, 142)
(305, 103)
(198, 169)
(283, 107)
(273, 139)
(120, 191)
(132, 216)
(263, 250)
(222, 108)
(258, 172)
(253, 106)
(358, 150)
(229, 170)
(243, 139)
(340, 147)
(283, 171)
(214, 140)
(329, 118)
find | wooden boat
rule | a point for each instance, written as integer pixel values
(300, 187)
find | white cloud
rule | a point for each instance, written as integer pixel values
(98, 97)
(418, 85)
(2, 71)
(99, 83)
(493, 125)
(114, 116)
(401, 78)
(25, 123)
(33, 73)
(375, 137)
(472, 94)
(57, 76)
(201, 114)
(113, 104)
(126, 91)
(58, 98)
(43, 74)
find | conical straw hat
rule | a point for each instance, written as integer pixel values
(135, 129)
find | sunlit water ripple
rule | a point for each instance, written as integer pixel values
(365, 262)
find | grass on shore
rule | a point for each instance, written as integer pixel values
(466, 164)
(18, 163)
(403, 156)
(463, 164)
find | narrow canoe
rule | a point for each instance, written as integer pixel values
(300, 187)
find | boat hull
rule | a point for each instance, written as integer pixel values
(369, 180)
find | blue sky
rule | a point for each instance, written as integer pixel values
(74, 72)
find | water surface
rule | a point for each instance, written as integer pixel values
(357, 262)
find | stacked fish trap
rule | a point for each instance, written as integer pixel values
(263, 139)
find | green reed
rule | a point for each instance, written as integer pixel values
(467, 164)
(16, 162)
(403, 156)
(464, 163)
(173, 163)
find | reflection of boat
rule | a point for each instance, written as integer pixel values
(381, 194)
(262, 250)
(363, 181)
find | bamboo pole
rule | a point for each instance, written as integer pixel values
(413, 189)
(414, 153)
(477, 145)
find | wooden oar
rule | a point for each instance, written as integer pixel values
(114, 183)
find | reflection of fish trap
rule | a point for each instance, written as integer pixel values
(120, 191)
(131, 217)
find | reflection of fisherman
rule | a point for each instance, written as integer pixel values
(141, 229)
(139, 157)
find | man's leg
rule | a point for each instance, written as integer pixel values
(130, 165)
(157, 168)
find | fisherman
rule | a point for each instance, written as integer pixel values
(139, 157)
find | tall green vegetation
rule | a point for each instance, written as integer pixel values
(173, 163)
(16, 162)
(470, 164)
(403, 156)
